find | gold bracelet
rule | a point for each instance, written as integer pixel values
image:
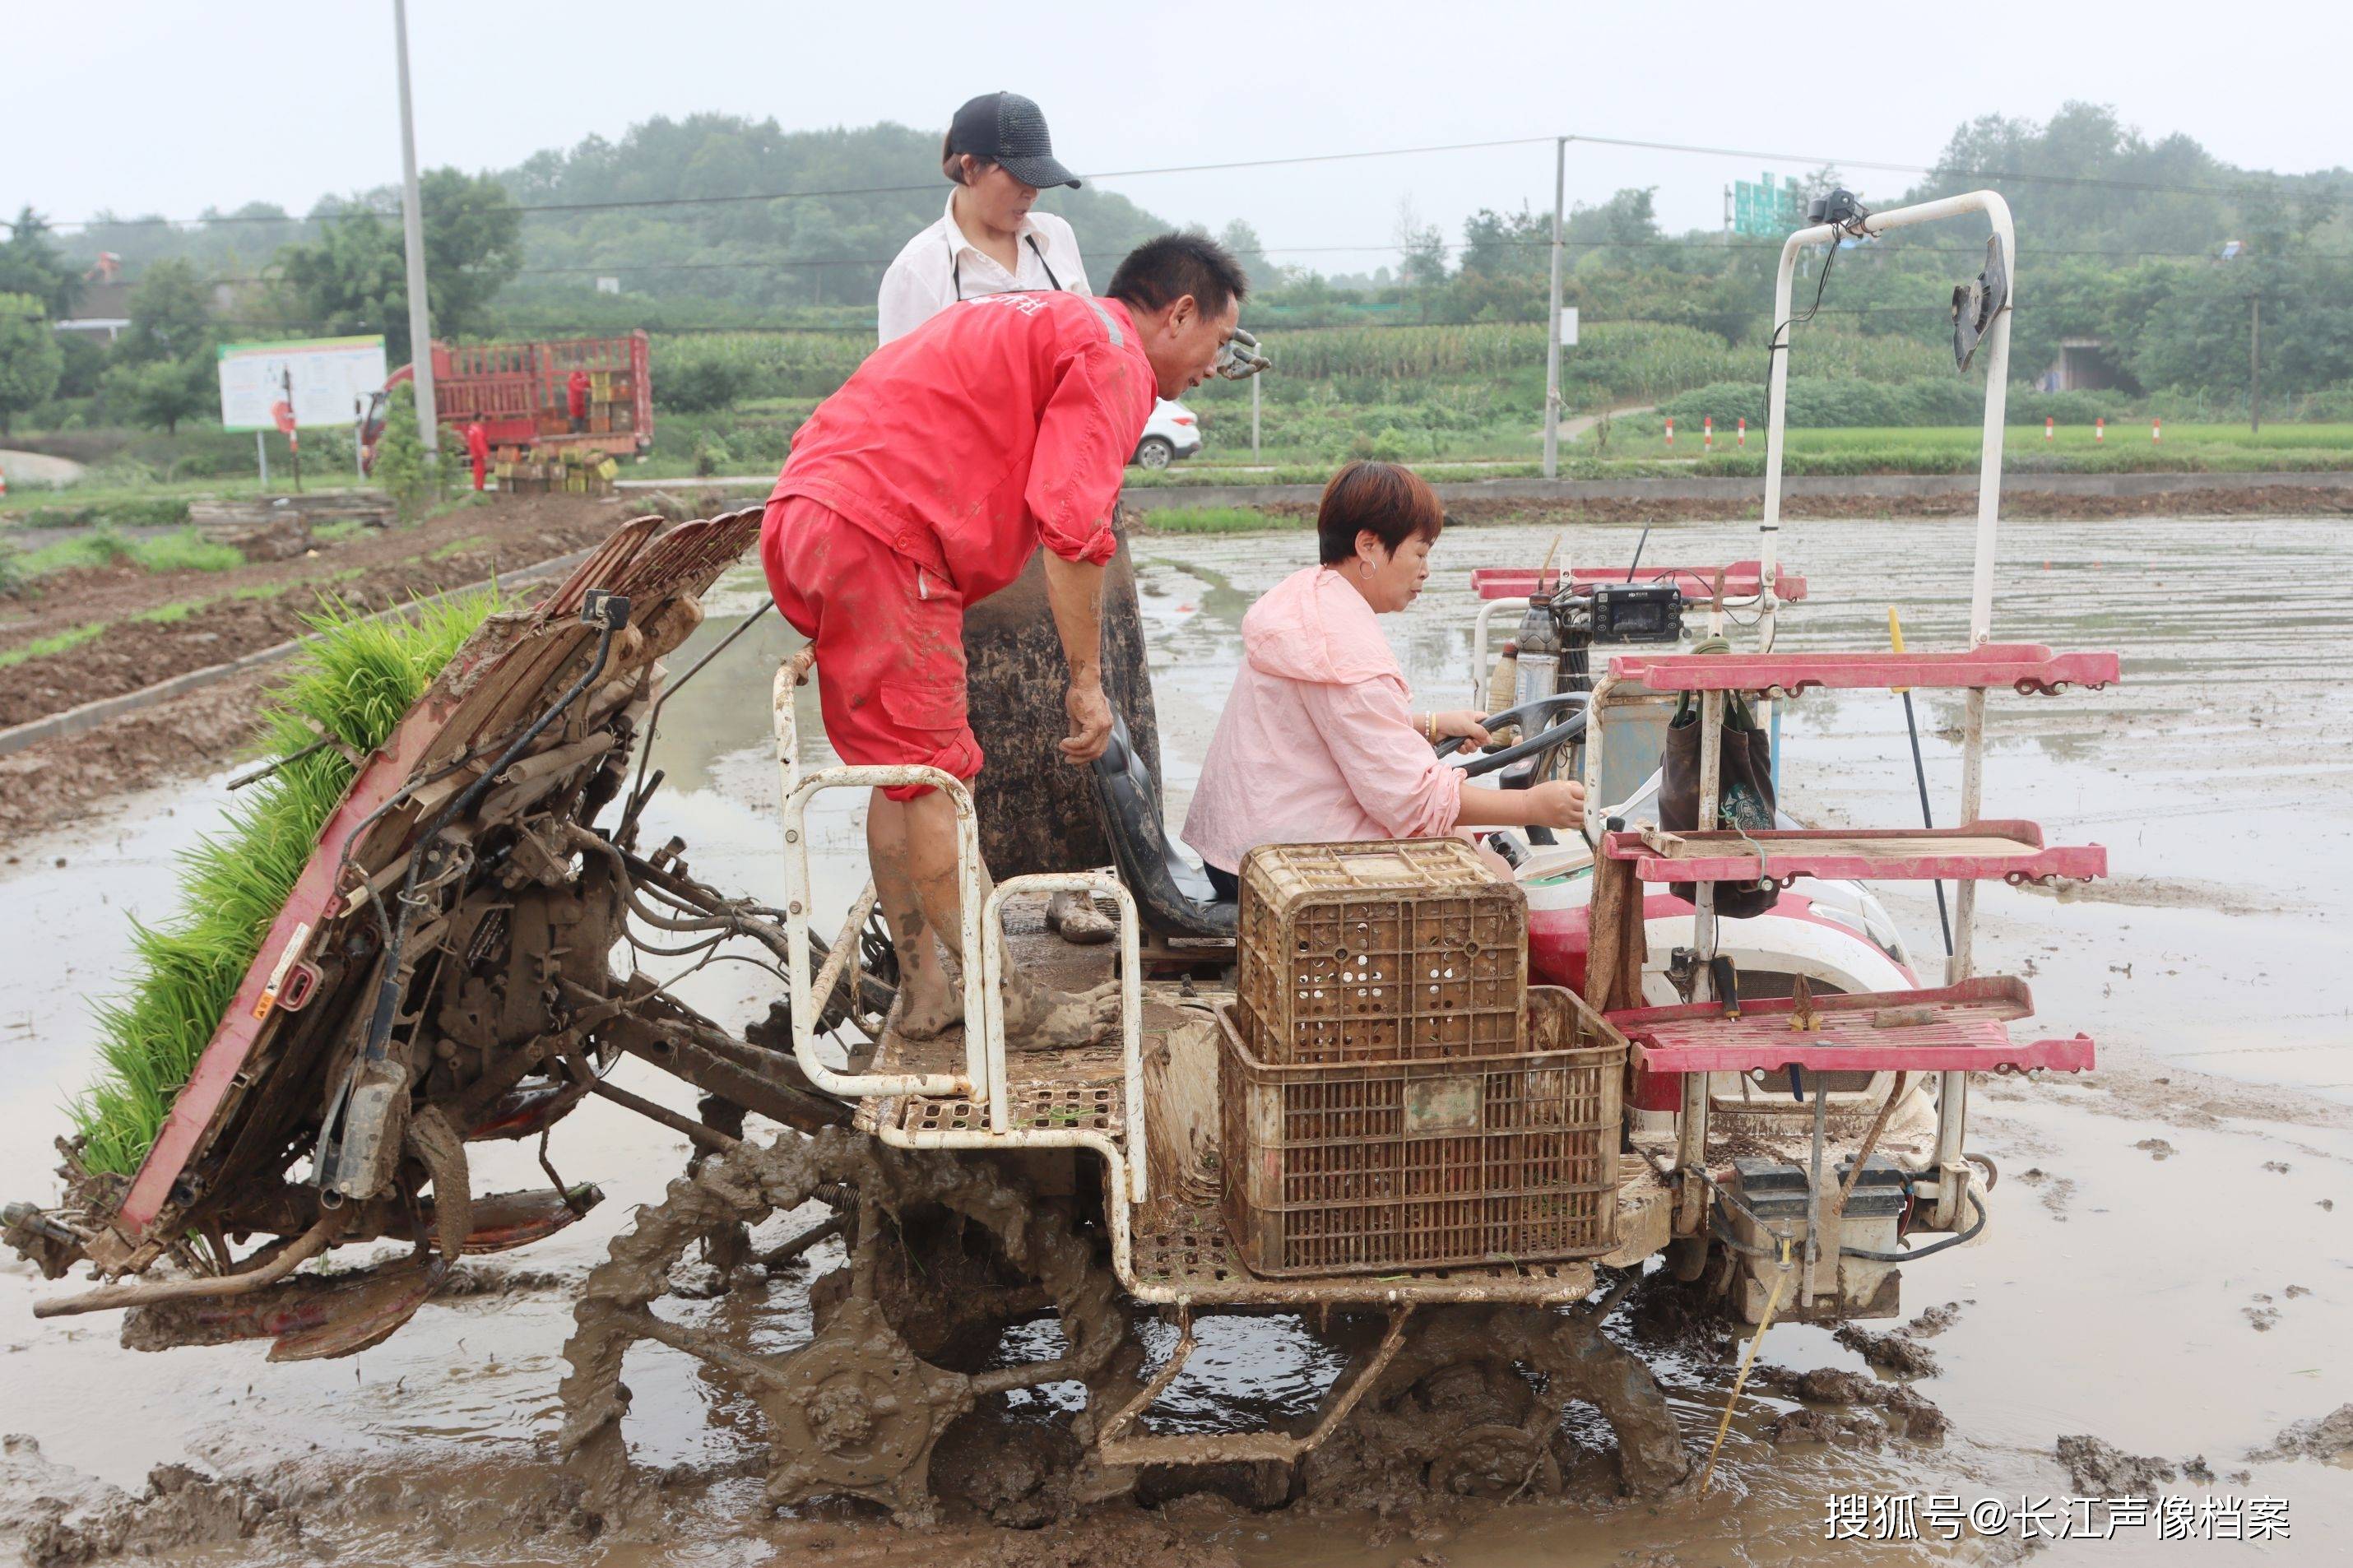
(1429, 726)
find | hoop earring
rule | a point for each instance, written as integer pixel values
(1364, 570)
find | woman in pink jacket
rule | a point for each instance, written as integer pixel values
(1320, 742)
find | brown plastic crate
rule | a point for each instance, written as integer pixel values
(1393, 950)
(1360, 1167)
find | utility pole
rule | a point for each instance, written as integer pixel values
(1551, 316)
(2254, 361)
(412, 223)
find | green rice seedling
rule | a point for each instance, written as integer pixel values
(185, 550)
(353, 683)
(98, 547)
(55, 643)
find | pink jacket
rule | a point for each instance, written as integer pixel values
(1317, 744)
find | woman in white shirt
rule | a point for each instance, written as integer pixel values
(989, 241)
(1037, 813)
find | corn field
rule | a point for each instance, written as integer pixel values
(780, 363)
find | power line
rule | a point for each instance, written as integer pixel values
(2092, 180)
(1698, 246)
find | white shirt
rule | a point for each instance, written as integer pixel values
(940, 265)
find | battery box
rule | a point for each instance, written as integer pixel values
(1636, 612)
(1775, 1192)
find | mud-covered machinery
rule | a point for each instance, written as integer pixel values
(1388, 1098)
(459, 961)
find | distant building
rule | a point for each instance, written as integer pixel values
(2083, 365)
(105, 307)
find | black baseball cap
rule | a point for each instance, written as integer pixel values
(1009, 129)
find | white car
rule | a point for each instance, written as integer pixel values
(1171, 433)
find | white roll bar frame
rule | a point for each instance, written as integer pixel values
(1952, 1101)
(984, 1081)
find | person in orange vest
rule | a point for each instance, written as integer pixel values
(478, 446)
(575, 398)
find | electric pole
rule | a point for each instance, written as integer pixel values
(1552, 320)
(412, 224)
(2254, 361)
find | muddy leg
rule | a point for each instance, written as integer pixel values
(920, 845)
(928, 1003)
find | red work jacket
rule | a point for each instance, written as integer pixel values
(575, 393)
(1002, 421)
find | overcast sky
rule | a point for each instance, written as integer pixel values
(166, 106)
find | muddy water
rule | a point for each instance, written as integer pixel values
(2135, 1285)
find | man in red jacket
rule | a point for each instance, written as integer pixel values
(478, 447)
(576, 399)
(924, 485)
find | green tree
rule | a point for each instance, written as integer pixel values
(165, 364)
(30, 263)
(400, 466)
(355, 278)
(162, 392)
(1421, 247)
(1242, 239)
(30, 358)
(171, 316)
(1626, 220)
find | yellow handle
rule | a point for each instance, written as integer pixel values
(1895, 636)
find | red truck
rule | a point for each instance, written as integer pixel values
(519, 392)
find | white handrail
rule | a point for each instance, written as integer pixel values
(1130, 1013)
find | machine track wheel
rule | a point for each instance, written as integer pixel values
(1470, 1403)
(854, 1412)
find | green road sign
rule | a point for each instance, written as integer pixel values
(1766, 208)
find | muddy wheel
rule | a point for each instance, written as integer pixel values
(854, 1412)
(1471, 1405)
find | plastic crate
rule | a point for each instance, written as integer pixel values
(1361, 1168)
(1393, 950)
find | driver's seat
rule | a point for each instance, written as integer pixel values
(1172, 898)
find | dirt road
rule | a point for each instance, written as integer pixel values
(2167, 1271)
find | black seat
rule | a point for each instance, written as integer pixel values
(1173, 898)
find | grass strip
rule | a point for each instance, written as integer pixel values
(353, 682)
(56, 642)
(1213, 520)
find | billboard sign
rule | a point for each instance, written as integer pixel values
(320, 378)
(1766, 208)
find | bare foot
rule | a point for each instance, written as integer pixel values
(1074, 915)
(1042, 1020)
(924, 1017)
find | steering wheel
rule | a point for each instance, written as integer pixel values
(1561, 728)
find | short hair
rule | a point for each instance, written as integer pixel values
(1388, 502)
(1163, 270)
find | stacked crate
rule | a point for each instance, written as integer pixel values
(1393, 1094)
(611, 408)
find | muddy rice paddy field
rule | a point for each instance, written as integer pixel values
(2166, 1288)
